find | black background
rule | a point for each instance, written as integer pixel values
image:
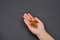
(12, 26)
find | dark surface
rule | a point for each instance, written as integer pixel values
(12, 26)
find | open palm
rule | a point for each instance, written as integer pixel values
(35, 31)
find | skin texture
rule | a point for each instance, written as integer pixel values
(40, 30)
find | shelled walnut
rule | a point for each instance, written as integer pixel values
(33, 22)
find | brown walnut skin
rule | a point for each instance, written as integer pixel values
(33, 22)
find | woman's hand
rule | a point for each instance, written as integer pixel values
(35, 31)
(39, 31)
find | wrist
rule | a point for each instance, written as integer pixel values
(43, 35)
(40, 34)
(41, 31)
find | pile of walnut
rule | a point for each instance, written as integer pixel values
(33, 22)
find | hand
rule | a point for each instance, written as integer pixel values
(39, 31)
(35, 31)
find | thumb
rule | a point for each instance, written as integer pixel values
(37, 19)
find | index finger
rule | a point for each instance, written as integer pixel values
(30, 15)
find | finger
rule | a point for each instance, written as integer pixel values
(30, 15)
(38, 20)
(27, 23)
(26, 16)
